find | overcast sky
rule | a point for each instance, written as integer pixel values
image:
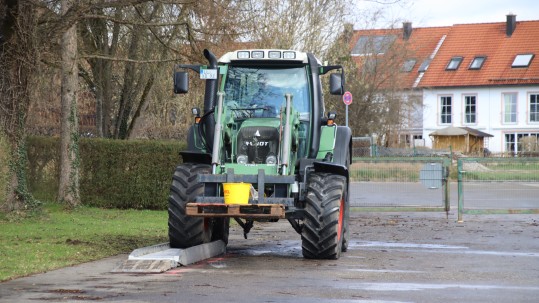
(424, 13)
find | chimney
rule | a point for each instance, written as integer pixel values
(406, 30)
(511, 24)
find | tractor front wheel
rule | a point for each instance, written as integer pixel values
(325, 216)
(185, 231)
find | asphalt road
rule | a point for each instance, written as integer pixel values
(410, 257)
(477, 195)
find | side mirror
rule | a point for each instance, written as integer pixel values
(181, 82)
(336, 84)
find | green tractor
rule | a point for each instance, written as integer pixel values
(263, 125)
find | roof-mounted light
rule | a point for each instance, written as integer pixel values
(257, 54)
(243, 55)
(274, 54)
(289, 55)
(264, 55)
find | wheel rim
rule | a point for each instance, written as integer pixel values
(341, 219)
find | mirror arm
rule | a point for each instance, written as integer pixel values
(325, 69)
(195, 68)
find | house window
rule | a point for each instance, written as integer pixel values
(454, 63)
(523, 60)
(510, 143)
(477, 62)
(425, 65)
(445, 110)
(510, 108)
(408, 65)
(470, 109)
(367, 45)
(521, 142)
(534, 107)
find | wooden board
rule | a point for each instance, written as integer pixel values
(262, 211)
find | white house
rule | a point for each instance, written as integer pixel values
(486, 76)
(483, 76)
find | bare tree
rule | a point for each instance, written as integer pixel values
(127, 47)
(18, 56)
(310, 25)
(68, 191)
(375, 79)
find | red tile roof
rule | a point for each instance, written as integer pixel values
(419, 46)
(468, 41)
(490, 40)
(422, 44)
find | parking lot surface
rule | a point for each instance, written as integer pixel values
(393, 257)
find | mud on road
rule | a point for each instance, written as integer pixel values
(405, 257)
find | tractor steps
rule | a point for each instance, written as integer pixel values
(263, 211)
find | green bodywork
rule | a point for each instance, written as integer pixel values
(327, 141)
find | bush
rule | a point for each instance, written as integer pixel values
(114, 173)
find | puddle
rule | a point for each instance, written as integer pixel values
(288, 248)
(384, 270)
(435, 248)
(401, 245)
(421, 286)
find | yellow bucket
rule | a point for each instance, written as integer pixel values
(236, 193)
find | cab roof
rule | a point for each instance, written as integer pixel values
(275, 55)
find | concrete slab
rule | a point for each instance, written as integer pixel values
(201, 252)
(145, 266)
(160, 258)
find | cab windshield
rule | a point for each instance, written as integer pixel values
(260, 92)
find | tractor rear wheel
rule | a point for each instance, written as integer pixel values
(325, 213)
(185, 231)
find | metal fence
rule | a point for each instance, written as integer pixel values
(400, 184)
(364, 150)
(498, 186)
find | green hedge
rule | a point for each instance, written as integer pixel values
(114, 173)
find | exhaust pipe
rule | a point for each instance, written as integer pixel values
(210, 96)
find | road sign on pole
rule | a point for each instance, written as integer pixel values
(347, 98)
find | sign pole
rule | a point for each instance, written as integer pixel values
(346, 115)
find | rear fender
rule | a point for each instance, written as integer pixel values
(342, 153)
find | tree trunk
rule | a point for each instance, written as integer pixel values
(18, 56)
(68, 191)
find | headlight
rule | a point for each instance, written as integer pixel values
(274, 54)
(257, 54)
(242, 159)
(243, 55)
(271, 159)
(289, 55)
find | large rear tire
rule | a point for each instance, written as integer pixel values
(325, 209)
(185, 231)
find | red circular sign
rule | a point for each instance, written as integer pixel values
(347, 98)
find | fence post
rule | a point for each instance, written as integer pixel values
(461, 193)
(446, 185)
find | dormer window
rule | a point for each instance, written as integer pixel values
(454, 63)
(424, 66)
(477, 62)
(372, 45)
(522, 60)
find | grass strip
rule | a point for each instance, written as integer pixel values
(57, 238)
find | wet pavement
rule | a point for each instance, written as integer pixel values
(405, 257)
